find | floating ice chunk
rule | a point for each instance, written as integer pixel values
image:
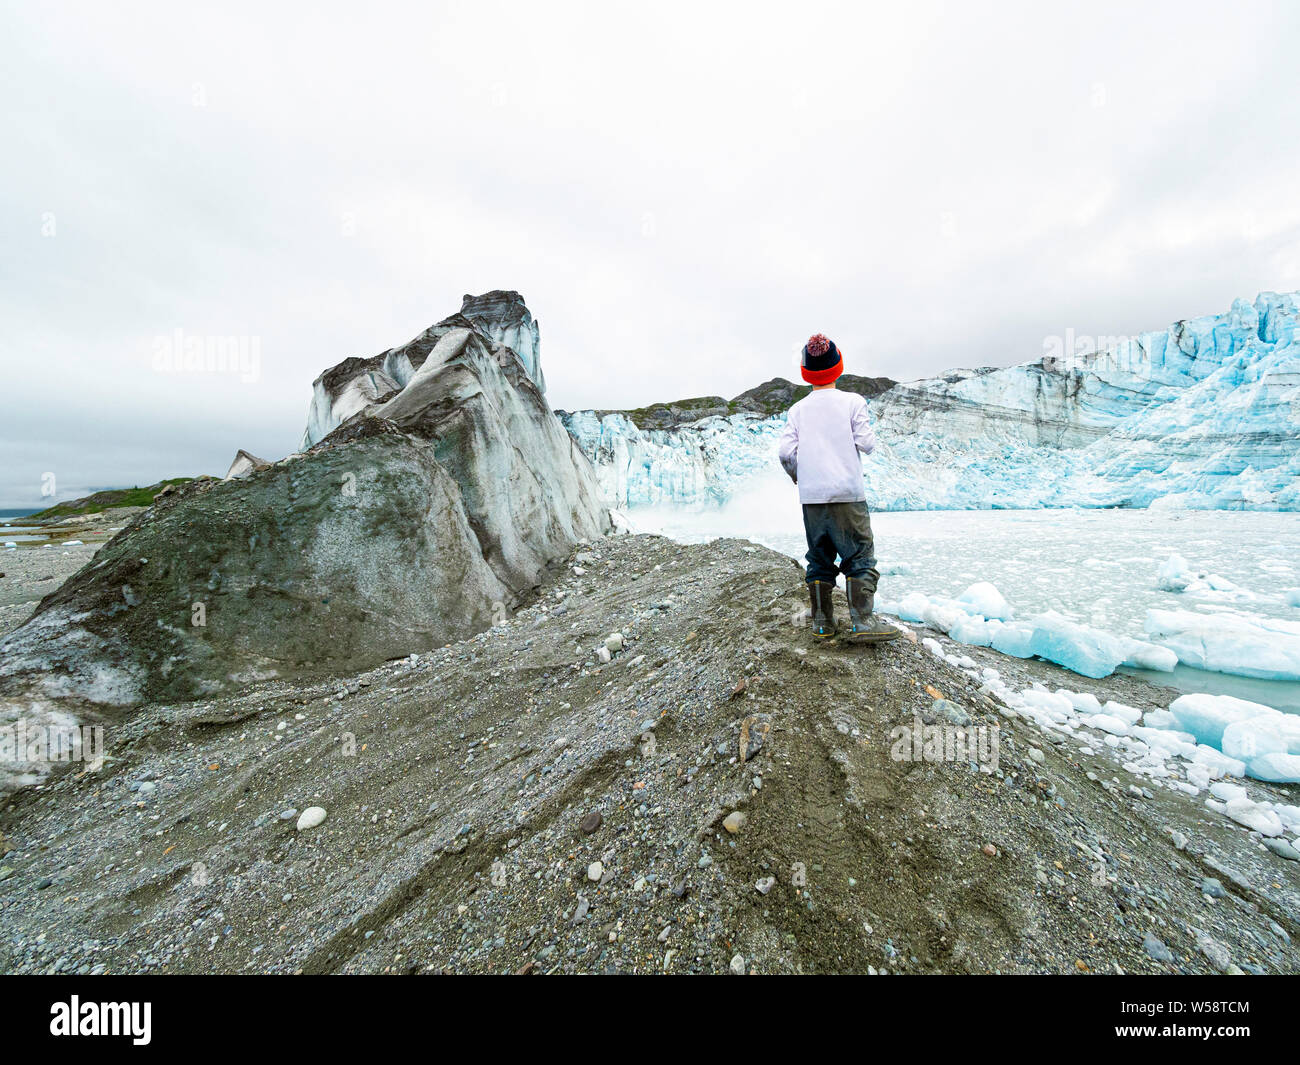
(1206, 716)
(1143, 655)
(1128, 714)
(1215, 763)
(1083, 702)
(974, 631)
(1056, 707)
(1266, 648)
(1227, 791)
(1292, 597)
(1254, 816)
(10, 545)
(1159, 719)
(1274, 733)
(1174, 574)
(1076, 647)
(1015, 640)
(1166, 741)
(941, 614)
(1108, 723)
(1277, 767)
(913, 607)
(984, 599)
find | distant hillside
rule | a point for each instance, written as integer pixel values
(771, 397)
(107, 499)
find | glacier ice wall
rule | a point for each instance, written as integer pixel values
(353, 384)
(1202, 415)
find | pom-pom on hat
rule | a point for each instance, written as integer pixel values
(821, 362)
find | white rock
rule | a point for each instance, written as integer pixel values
(311, 817)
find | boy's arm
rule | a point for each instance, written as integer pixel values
(863, 436)
(788, 449)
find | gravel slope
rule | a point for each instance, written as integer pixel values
(459, 788)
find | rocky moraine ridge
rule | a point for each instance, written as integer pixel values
(648, 768)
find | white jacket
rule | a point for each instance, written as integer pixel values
(823, 435)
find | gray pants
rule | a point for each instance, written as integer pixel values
(843, 530)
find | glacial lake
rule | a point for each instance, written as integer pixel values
(1097, 567)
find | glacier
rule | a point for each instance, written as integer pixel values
(1202, 415)
(355, 383)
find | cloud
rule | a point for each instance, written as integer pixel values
(683, 193)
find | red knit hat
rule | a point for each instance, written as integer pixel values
(821, 362)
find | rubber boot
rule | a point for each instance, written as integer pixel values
(865, 627)
(823, 608)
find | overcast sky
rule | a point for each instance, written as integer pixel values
(682, 194)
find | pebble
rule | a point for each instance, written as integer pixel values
(734, 822)
(1216, 952)
(951, 712)
(1157, 949)
(753, 734)
(1213, 888)
(591, 822)
(738, 964)
(614, 642)
(595, 871)
(311, 817)
(765, 885)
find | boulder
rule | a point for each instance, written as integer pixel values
(245, 463)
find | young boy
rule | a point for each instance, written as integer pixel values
(819, 450)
